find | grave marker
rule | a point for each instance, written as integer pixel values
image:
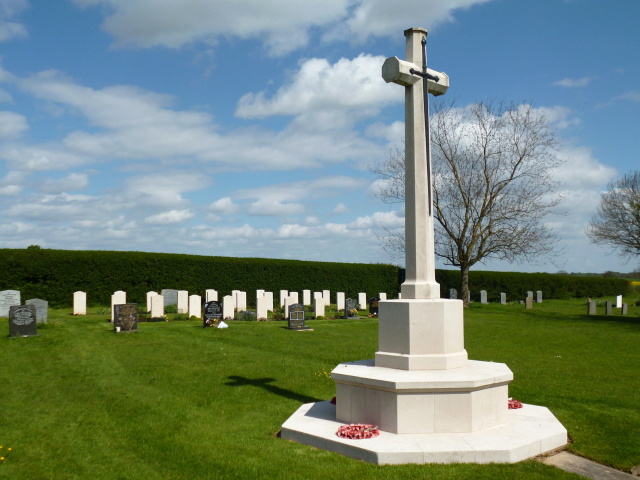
(306, 297)
(212, 313)
(619, 301)
(157, 306)
(318, 307)
(340, 301)
(149, 296)
(453, 294)
(608, 307)
(170, 296)
(503, 298)
(8, 299)
(539, 296)
(79, 303)
(183, 301)
(228, 307)
(195, 306)
(528, 302)
(126, 317)
(624, 309)
(118, 298)
(483, 296)
(373, 306)
(351, 306)
(42, 309)
(22, 321)
(211, 295)
(362, 301)
(262, 312)
(296, 317)
(591, 307)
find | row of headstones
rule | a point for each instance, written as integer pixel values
(23, 319)
(192, 304)
(453, 293)
(608, 306)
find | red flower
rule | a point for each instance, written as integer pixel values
(514, 404)
(357, 431)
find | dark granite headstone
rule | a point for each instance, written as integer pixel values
(42, 309)
(22, 321)
(211, 313)
(608, 307)
(126, 317)
(350, 304)
(8, 298)
(296, 317)
(373, 306)
(453, 294)
(170, 296)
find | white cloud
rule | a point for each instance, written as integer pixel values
(72, 182)
(162, 190)
(559, 117)
(574, 82)
(633, 95)
(224, 206)
(10, 190)
(10, 29)
(274, 208)
(378, 220)
(12, 125)
(170, 217)
(340, 208)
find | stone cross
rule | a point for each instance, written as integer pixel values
(420, 279)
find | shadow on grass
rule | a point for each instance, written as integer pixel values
(264, 383)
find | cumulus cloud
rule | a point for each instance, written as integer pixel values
(169, 217)
(12, 125)
(9, 29)
(72, 182)
(224, 206)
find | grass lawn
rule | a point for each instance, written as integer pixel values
(176, 401)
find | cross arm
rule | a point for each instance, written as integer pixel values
(398, 71)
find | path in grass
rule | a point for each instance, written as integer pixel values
(179, 401)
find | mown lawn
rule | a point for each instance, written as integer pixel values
(176, 401)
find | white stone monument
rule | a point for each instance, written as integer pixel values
(149, 295)
(283, 294)
(430, 402)
(306, 297)
(228, 307)
(261, 308)
(211, 295)
(118, 298)
(79, 303)
(157, 306)
(362, 301)
(240, 300)
(269, 297)
(318, 307)
(183, 301)
(195, 306)
(326, 294)
(340, 301)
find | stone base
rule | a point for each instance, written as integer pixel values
(529, 431)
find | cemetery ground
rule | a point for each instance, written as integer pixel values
(179, 401)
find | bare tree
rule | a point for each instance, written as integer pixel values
(493, 184)
(617, 222)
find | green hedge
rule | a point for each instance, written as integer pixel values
(54, 275)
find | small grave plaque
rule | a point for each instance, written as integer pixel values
(296, 317)
(22, 321)
(212, 313)
(373, 306)
(126, 317)
(351, 305)
(42, 308)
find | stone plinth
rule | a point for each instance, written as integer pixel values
(459, 400)
(425, 334)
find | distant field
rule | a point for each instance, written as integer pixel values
(176, 401)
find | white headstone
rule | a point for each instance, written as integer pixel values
(539, 296)
(294, 297)
(340, 301)
(118, 298)
(211, 295)
(234, 297)
(259, 293)
(269, 297)
(619, 301)
(157, 306)
(483, 296)
(183, 301)
(362, 301)
(306, 297)
(287, 302)
(8, 299)
(241, 300)
(261, 308)
(149, 295)
(79, 303)
(326, 295)
(228, 307)
(283, 294)
(195, 306)
(319, 307)
(503, 298)
(529, 294)
(382, 296)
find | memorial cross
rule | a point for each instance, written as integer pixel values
(420, 281)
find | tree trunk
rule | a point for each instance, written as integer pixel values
(464, 278)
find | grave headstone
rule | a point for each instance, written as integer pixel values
(483, 296)
(528, 302)
(42, 309)
(382, 295)
(296, 317)
(262, 311)
(529, 294)
(294, 298)
(157, 306)
(453, 294)
(624, 308)
(8, 299)
(503, 298)
(149, 296)
(326, 295)
(240, 300)
(183, 301)
(619, 301)
(195, 306)
(126, 317)
(340, 301)
(212, 313)
(211, 295)
(351, 308)
(79, 303)
(118, 298)
(362, 301)
(469, 296)
(608, 307)
(22, 321)
(591, 307)
(269, 297)
(170, 296)
(539, 296)
(318, 307)
(260, 293)
(228, 307)
(283, 294)
(306, 297)
(373, 306)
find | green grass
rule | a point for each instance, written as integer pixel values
(176, 401)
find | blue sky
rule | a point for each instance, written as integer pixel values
(246, 128)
